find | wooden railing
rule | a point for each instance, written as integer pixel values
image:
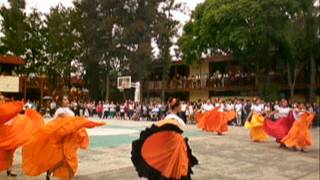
(239, 84)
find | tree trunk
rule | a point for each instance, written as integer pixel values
(107, 87)
(312, 89)
(163, 84)
(290, 83)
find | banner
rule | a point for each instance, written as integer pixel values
(9, 84)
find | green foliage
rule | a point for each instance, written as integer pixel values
(13, 28)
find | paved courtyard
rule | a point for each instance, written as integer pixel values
(232, 156)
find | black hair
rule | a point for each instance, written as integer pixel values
(174, 103)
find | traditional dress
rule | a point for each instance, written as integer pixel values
(255, 124)
(279, 128)
(54, 147)
(299, 135)
(216, 120)
(162, 152)
(15, 133)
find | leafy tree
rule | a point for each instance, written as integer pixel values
(253, 32)
(13, 28)
(61, 43)
(35, 42)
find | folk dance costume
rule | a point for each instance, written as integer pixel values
(299, 136)
(279, 128)
(15, 130)
(255, 124)
(162, 152)
(53, 148)
(216, 120)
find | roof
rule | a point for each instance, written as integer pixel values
(14, 60)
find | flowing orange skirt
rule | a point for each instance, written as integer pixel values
(17, 133)
(54, 147)
(162, 152)
(9, 110)
(299, 135)
(215, 121)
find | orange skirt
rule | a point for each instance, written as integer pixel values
(162, 152)
(54, 147)
(299, 135)
(9, 110)
(215, 121)
(17, 133)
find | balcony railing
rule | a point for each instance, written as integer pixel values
(219, 85)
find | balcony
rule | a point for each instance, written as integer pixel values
(232, 84)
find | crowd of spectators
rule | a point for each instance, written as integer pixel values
(154, 111)
(214, 80)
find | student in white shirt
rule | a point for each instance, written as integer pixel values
(238, 108)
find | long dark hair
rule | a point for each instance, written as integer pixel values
(174, 103)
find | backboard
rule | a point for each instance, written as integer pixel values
(124, 82)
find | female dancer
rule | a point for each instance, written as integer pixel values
(162, 152)
(64, 110)
(279, 128)
(53, 149)
(255, 122)
(299, 136)
(216, 120)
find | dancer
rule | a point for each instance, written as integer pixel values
(53, 149)
(64, 109)
(255, 122)
(279, 128)
(15, 131)
(162, 152)
(299, 136)
(216, 120)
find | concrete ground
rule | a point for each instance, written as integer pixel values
(231, 156)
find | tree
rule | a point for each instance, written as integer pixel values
(61, 43)
(13, 28)
(252, 31)
(165, 30)
(35, 44)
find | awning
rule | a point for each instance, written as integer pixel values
(14, 60)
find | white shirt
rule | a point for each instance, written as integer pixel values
(229, 107)
(190, 110)
(207, 107)
(175, 117)
(183, 107)
(112, 107)
(122, 108)
(106, 107)
(238, 107)
(131, 107)
(221, 109)
(282, 111)
(257, 108)
(63, 111)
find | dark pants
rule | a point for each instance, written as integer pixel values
(105, 114)
(183, 116)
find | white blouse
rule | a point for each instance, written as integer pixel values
(63, 111)
(175, 117)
